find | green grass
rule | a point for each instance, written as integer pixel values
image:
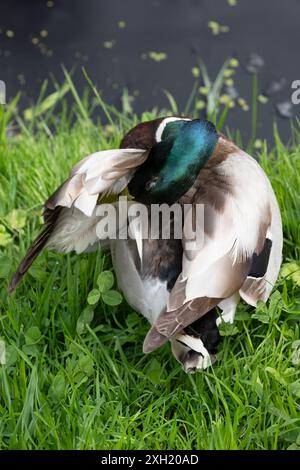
(76, 382)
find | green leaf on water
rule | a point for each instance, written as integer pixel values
(93, 297)
(105, 281)
(109, 44)
(112, 298)
(157, 56)
(196, 72)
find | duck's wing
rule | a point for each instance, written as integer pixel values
(70, 214)
(236, 223)
(266, 264)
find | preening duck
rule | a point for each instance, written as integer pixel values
(184, 293)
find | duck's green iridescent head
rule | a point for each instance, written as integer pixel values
(175, 161)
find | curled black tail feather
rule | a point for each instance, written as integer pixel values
(50, 218)
(206, 329)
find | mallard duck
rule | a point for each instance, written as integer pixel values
(184, 293)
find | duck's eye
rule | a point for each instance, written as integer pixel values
(151, 183)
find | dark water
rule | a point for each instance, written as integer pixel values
(112, 38)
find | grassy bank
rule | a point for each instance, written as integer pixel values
(77, 378)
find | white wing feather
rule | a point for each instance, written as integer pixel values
(102, 173)
(108, 171)
(232, 234)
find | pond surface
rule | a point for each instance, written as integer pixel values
(149, 46)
